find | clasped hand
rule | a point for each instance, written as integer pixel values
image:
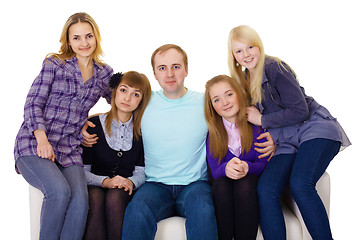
(119, 182)
(236, 169)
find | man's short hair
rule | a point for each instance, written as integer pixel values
(166, 47)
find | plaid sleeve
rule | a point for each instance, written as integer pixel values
(104, 77)
(37, 97)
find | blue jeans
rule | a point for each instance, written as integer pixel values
(301, 171)
(65, 204)
(156, 201)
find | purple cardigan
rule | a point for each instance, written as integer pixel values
(256, 164)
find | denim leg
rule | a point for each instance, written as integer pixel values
(312, 159)
(270, 188)
(75, 218)
(151, 203)
(45, 175)
(195, 203)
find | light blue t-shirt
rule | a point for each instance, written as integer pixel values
(174, 135)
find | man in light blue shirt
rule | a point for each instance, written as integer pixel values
(174, 134)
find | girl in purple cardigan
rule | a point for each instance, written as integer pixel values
(234, 162)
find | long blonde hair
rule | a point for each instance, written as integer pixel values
(252, 88)
(218, 138)
(135, 80)
(66, 51)
(248, 35)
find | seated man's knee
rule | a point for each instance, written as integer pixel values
(137, 209)
(201, 204)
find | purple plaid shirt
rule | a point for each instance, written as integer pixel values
(58, 103)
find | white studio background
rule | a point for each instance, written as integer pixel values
(318, 39)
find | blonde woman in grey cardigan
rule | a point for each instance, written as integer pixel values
(306, 135)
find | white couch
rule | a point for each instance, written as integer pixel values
(174, 228)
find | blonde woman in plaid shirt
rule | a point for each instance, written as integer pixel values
(47, 148)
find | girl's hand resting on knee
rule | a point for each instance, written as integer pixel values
(44, 148)
(119, 182)
(236, 169)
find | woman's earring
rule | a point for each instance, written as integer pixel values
(237, 64)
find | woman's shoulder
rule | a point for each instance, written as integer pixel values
(52, 61)
(103, 66)
(103, 69)
(272, 64)
(275, 67)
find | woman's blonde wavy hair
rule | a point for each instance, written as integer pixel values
(66, 51)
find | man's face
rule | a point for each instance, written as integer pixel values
(170, 71)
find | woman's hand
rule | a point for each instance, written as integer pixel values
(236, 169)
(267, 148)
(43, 149)
(253, 115)
(119, 182)
(89, 139)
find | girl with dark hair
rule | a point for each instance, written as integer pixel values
(114, 166)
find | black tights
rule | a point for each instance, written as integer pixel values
(236, 207)
(106, 213)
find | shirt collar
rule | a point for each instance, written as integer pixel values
(121, 134)
(74, 60)
(227, 124)
(116, 124)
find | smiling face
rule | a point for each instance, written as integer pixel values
(170, 72)
(127, 99)
(82, 39)
(245, 54)
(224, 100)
